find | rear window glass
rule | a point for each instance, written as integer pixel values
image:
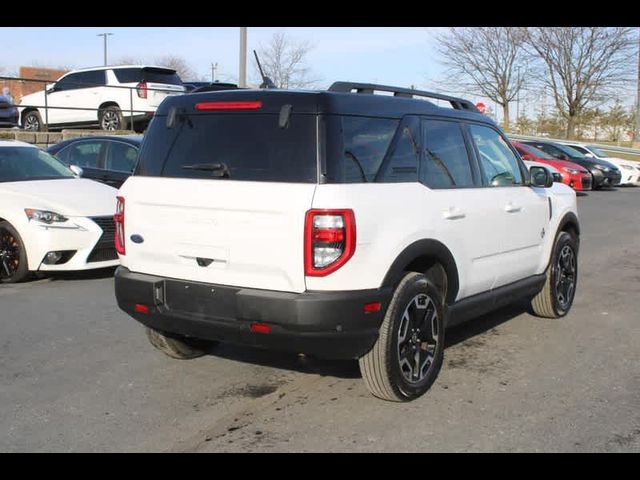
(240, 146)
(151, 75)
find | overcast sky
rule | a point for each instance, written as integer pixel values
(397, 56)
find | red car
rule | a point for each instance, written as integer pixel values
(574, 175)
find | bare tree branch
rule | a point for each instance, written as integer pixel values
(582, 66)
(283, 60)
(485, 60)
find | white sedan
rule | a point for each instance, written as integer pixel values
(50, 220)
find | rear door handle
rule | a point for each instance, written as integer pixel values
(512, 208)
(453, 213)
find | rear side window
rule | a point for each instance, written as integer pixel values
(404, 156)
(365, 143)
(234, 146)
(446, 160)
(128, 75)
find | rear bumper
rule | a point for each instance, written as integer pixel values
(326, 324)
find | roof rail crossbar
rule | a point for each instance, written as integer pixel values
(348, 87)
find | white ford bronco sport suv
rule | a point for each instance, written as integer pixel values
(110, 97)
(339, 223)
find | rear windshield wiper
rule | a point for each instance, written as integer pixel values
(216, 169)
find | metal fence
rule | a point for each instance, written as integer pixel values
(44, 109)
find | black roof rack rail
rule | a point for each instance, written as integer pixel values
(347, 87)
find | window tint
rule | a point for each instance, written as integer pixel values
(402, 162)
(90, 79)
(499, 164)
(68, 82)
(121, 157)
(151, 75)
(365, 142)
(446, 160)
(128, 75)
(83, 154)
(250, 147)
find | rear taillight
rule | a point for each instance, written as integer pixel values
(118, 218)
(141, 88)
(329, 241)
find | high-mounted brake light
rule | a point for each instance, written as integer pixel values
(118, 218)
(329, 240)
(141, 89)
(253, 105)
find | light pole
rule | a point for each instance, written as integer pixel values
(214, 67)
(105, 35)
(242, 77)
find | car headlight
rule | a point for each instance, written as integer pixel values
(44, 216)
(569, 170)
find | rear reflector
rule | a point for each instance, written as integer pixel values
(140, 308)
(260, 328)
(255, 105)
(372, 307)
(118, 218)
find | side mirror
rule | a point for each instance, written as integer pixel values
(51, 87)
(590, 155)
(541, 177)
(77, 171)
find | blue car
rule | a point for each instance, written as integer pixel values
(8, 113)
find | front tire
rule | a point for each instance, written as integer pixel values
(111, 119)
(408, 355)
(13, 256)
(32, 121)
(557, 294)
(179, 347)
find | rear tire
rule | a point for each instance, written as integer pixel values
(182, 348)
(557, 294)
(408, 355)
(111, 118)
(32, 121)
(13, 256)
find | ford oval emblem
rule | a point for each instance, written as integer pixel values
(135, 238)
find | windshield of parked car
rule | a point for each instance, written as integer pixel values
(19, 164)
(536, 152)
(598, 152)
(572, 152)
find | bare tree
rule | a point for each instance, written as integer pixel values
(283, 60)
(176, 62)
(179, 64)
(581, 65)
(486, 60)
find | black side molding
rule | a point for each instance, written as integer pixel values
(477, 305)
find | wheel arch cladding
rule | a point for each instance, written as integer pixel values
(569, 223)
(421, 256)
(108, 104)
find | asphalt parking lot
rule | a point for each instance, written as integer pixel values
(76, 374)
